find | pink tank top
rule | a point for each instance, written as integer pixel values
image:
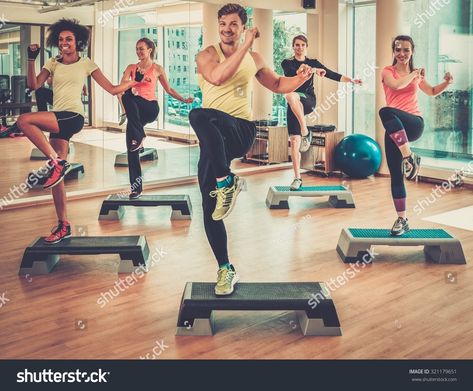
(404, 99)
(145, 89)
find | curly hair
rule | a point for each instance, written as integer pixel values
(81, 33)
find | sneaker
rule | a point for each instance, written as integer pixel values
(135, 146)
(10, 131)
(296, 184)
(226, 198)
(134, 195)
(226, 280)
(122, 119)
(305, 142)
(57, 173)
(61, 231)
(411, 166)
(400, 227)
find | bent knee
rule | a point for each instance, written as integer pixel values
(291, 98)
(197, 115)
(385, 112)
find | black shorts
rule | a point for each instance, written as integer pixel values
(309, 103)
(69, 123)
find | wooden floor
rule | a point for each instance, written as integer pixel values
(399, 307)
(96, 150)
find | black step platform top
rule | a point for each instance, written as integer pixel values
(151, 199)
(89, 244)
(253, 296)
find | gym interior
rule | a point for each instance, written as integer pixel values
(412, 300)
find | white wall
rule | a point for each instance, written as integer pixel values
(30, 14)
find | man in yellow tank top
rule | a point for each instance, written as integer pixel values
(223, 126)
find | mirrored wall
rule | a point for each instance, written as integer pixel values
(99, 150)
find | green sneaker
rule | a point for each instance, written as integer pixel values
(226, 198)
(226, 280)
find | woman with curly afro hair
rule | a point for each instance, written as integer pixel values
(69, 71)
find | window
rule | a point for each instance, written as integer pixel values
(176, 113)
(364, 53)
(285, 27)
(131, 29)
(444, 43)
(178, 44)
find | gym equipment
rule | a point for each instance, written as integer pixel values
(148, 154)
(36, 179)
(339, 196)
(40, 258)
(315, 308)
(354, 244)
(113, 206)
(358, 156)
(36, 154)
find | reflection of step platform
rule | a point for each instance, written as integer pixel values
(36, 179)
(339, 196)
(36, 154)
(121, 159)
(113, 206)
(354, 244)
(40, 258)
(311, 300)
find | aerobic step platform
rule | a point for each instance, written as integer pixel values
(36, 154)
(339, 196)
(354, 244)
(40, 258)
(121, 159)
(316, 316)
(36, 179)
(113, 207)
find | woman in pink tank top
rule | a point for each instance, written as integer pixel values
(403, 121)
(141, 106)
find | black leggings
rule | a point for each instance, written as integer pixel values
(139, 112)
(393, 121)
(293, 125)
(222, 138)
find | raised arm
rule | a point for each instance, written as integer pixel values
(402, 82)
(165, 83)
(438, 89)
(103, 82)
(217, 73)
(32, 81)
(276, 83)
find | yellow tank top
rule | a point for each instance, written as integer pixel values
(233, 97)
